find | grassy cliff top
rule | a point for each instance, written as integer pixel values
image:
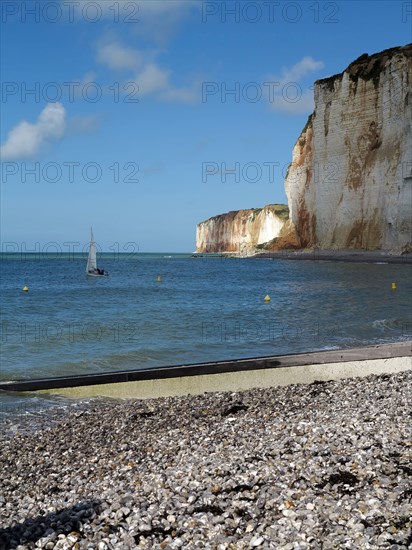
(367, 66)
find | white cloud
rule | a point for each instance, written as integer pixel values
(80, 88)
(149, 76)
(306, 66)
(287, 92)
(26, 139)
(159, 19)
(83, 124)
(118, 57)
(155, 20)
(180, 95)
(125, 10)
(152, 79)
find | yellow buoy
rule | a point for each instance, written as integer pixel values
(267, 298)
(25, 289)
(159, 279)
(393, 286)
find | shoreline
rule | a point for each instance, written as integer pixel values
(350, 256)
(230, 375)
(315, 254)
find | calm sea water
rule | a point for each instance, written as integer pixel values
(203, 309)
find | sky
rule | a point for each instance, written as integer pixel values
(143, 118)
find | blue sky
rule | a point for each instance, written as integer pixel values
(143, 118)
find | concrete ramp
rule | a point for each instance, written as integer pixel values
(233, 375)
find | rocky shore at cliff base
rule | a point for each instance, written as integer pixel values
(318, 466)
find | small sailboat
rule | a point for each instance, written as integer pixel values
(91, 268)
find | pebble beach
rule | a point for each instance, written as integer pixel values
(325, 465)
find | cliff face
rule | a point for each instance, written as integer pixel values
(350, 181)
(241, 231)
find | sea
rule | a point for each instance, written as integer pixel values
(169, 309)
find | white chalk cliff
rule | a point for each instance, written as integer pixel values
(241, 231)
(349, 184)
(350, 181)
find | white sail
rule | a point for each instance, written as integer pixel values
(91, 260)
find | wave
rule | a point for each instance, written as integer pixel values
(393, 324)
